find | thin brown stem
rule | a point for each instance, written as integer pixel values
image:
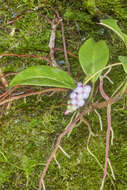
(54, 24)
(65, 49)
(68, 52)
(26, 55)
(15, 19)
(107, 144)
(30, 94)
(108, 130)
(57, 146)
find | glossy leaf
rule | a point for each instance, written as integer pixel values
(112, 24)
(43, 76)
(93, 56)
(123, 60)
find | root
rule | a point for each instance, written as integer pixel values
(108, 129)
(57, 145)
(67, 155)
(100, 120)
(107, 144)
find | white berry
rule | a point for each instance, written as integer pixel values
(87, 88)
(78, 90)
(73, 101)
(73, 95)
(80, 103)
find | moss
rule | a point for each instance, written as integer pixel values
(28, 132)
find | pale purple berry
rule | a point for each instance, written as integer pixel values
(79, 96)
(80, 103)
(73, 95)
(87, 88)
(73, 101)
(85, 95)
(79, 84)
(78, 90)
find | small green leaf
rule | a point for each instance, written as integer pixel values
(93, 56)
(112, 24)
(123, 60)
(43, 76)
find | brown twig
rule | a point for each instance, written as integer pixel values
(64, 42)
(65, 49)
(68, 52)
(54, 24)
(8, 92)
(30, 94)
(15, 19)
(26, 55)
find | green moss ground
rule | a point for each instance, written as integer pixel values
(28, 131)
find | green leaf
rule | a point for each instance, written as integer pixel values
(123, 60)
(93, 56)
(43, 76)
(112, 24)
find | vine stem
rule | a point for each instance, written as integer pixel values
(26, 55)
(57, 145)
(10, 99)
(107, 144)
(108, 130)
(107, 67)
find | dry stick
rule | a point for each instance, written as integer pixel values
(54, 24)
(57, 146)
(65, 49)
(108, 131)
(26, 55)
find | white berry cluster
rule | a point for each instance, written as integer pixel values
(78, 97)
